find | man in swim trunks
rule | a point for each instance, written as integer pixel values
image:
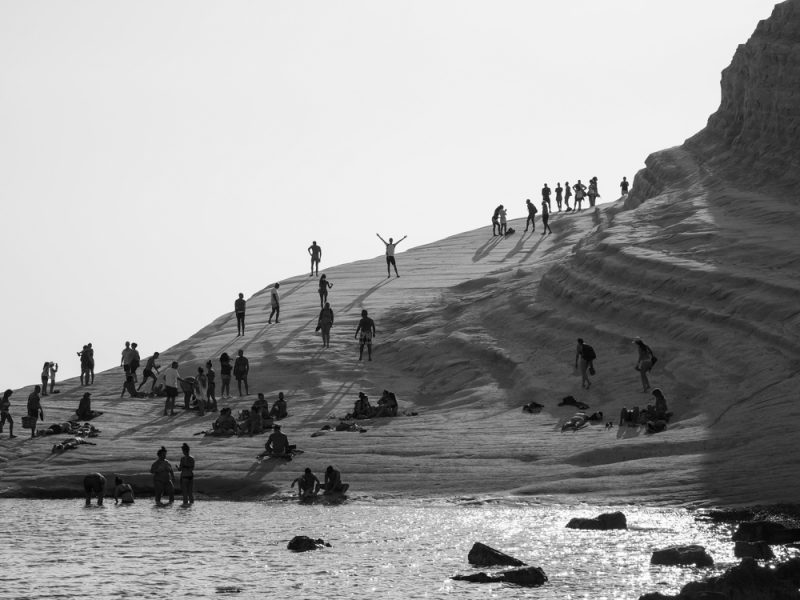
(366, 327)
(316, 256)
(277, 443)
(333, 482)
(567, 195)
(163, 477)
(35, 408)
(275, 303)
(559, 192)
(546, 195)
(390, 246)
(307, 484)
(238, 309)
(150, 371)
(623, 186)
(241, 367)
(123, 492)
(531, 215)
(5, 414)
(94, 483)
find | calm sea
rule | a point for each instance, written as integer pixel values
(379, 549)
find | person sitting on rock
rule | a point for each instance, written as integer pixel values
(255, 422)
(333, 482)
(279, 409)
(308, 485)
(661, 403)
(277, 444)
(225, 423)
(387, 405)
(362, 409)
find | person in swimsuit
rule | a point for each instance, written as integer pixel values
(150, 372)
(567, 195)
(325, 322)
(163, 477)
(390, 246)
(623, 186)
(531, 215)
(54, 370)
(366, 327)
(324, 286)
(238, 309)
(225, 370)
(186, 467)
(35, 409)
(212, 386)
(45, 377)
(546, 195)
(241, 368)
(275, 303)
(333, 482)
(316, 256)
(94, 484)
(5, 413)
(559, 193)
(123, 492)
(546, 217)
(308, 485)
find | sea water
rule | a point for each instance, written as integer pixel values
(378, 549)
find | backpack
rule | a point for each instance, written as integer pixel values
(587, 353)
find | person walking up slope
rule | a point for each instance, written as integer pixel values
(390, 246)
(275, 303)
(546, 217)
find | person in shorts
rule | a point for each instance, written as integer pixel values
(316, 256)
(35, 409)
(238, 309)
(241, 367)
(390, 246)
(171, 379)
(366, 329)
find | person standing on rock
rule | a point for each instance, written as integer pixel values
(163, 477)
(125, 355)
(94, 484)
(623, 186)
(135, 361)
(593, 193)
(585, 355)
(5, 413)
(324, 286)
(171, 379)
(559, 193)
(390, 246)
(546, 195)
(366, 327)
(238, 309)
(241, 368)
(225, 370)
(54, 370)
(45, 377)
(503, 221)
(580, 192)
(325, 322)
(35, 410)
(567, 195)
(275, 303)
(645, 362)
(495, 220)
(212, 386)
(546, 217)
(186, 467)
(84, 358)
(316, 256)
(531, 215)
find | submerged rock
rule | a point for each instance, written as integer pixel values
(303, 543)
(615, 520)
(526, 577)
(682, 555)
(482, 555)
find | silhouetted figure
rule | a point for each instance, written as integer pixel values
(366, 327)
(275, 303)
(496, 220)
(324, 323)
(390, 246)
(567, 195)
(324, 286)
(546, 195)
(559, 195)
(239, 306)
(546, 218)
(531, 215)
(623, 186)
(316, 256)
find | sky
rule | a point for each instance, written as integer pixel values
(158, 158)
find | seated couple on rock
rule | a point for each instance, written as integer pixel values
(655, 417)
(225, 424)
(308, 486)
(387, 406)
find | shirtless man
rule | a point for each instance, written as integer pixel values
(316, 256)
(5, 414)
(390, 246)
(275, 303)
(277, 444)
(308, 485)
(366, 327)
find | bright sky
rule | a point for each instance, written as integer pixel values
(160, 157)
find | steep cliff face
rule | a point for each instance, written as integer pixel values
(754, 137)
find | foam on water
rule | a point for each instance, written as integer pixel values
(383, 549)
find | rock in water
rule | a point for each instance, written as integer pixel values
(303, 543)
(682, 555)
(757, 550)
(527, 577)
(765, 531)
(482, 555)
(615, 520)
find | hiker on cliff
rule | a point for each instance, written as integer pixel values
(546, 217)
(239, 306)
(546, 195)
(390, 247)
(94, 484)
(275, 304)
(644, 362)
(308, 485)
(241, 368)
(5, 413)
(623, 186)
(584, 356)
(366, 327)
(567, 195)
(324, 286)
(150, 372)
(163, 477)
(531, 215)
(316, 256)
(186, 467)
(324, 323)
(35, 409)
(496, 220)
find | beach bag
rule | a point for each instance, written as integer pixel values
(588, 353)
